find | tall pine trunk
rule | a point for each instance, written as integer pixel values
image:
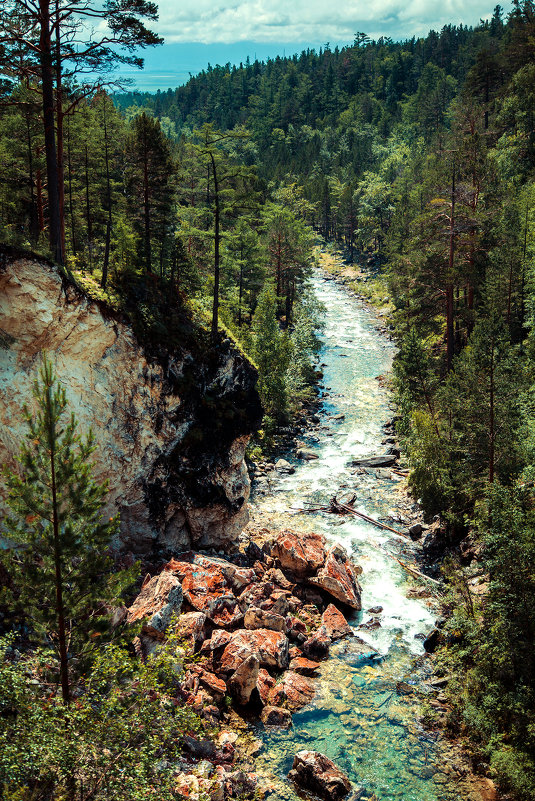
(146, 203)
(217, 235)
(59, 131)
(449, 283)
(47, 86)
(60, 611)
(104, 279)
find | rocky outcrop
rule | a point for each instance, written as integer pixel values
(316, 773)
(171, 423)
(254, 620)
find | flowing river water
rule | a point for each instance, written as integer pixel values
(359, 717)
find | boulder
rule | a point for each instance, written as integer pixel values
(304, 666)
(256, 618)
(213, 683)
(276, 716)
(237, 577)
(282, 466)
(335, 623)
(306, 454)
(244, 679)
(416, 531)
(277, 577)
(264, 684)
(191, 626)
(224, 611)
(270, 647)
(200, 583)
(218, 640)
(301, 553)
(293, 691)
(432, 641)
(386, 460)
(338, 578)
(316, 773)
(160, 597)
(255, 595)
(317, 646)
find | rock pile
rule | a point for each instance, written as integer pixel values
(259, 623)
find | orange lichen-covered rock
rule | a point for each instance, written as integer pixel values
(302, 553)
(335, 623)
(160, 597)
(264, 684)
(270, 647)
(304, 666)
(206, 589)
(293, 691)
(316, 773)
(338, 578)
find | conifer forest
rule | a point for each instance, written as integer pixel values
(267, 414)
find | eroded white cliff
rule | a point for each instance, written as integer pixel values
(174, 463)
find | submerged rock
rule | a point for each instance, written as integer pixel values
(293, 691)
(316, 773)
(276, 716)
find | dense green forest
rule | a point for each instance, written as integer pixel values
(418, 159)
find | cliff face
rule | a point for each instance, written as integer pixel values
(171, 426)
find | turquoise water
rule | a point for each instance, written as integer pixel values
(358, 717)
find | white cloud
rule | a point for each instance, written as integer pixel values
(210, 21)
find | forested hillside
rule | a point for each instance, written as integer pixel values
(417, 158)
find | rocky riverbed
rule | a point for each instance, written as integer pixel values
(313, 630)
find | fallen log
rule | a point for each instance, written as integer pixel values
(337, 508)
(344, 507)
(416, 573)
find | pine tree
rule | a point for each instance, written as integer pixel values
(272, 352)
(58, 554)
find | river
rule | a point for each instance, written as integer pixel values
(358, 718)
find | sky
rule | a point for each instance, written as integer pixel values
(199, 32)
